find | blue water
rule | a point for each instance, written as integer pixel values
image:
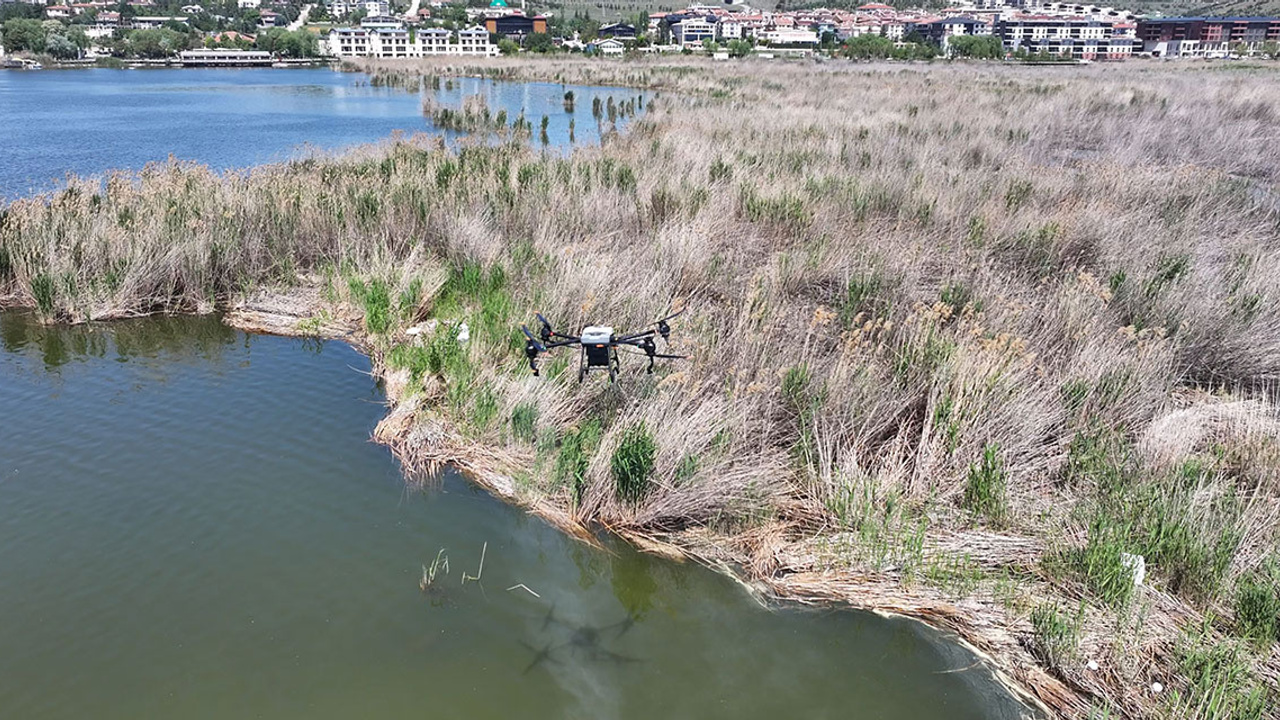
(88, 122)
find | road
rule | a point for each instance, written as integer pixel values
(302, 18)
(412, 14)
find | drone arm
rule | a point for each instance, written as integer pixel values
(634, 338)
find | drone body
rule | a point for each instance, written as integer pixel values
(599, 345)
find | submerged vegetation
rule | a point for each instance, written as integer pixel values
(960, 337)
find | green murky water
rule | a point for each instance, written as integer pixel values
(193, 524)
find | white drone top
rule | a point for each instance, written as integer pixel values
(596, 335)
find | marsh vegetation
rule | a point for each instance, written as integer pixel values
(964, 339)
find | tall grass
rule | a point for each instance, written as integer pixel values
(916, 296)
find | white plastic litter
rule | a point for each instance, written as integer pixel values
(1136, 565)
(1156, 687)
(464, 333)
(1093, 665)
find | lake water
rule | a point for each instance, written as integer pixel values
(87, 122)
(193, 524)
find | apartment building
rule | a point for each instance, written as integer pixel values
(1080, 38)
(400, 42)
(1207, 36)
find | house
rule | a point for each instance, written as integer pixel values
(270, 19)
(610, 46)
(730, 28)
(516, 25)
(617, 30)
(59, 11)
(248, 4)
(192, 9)
(780, 37)
(151, 22)
(339, 8)
(381, 21)
(104, 25)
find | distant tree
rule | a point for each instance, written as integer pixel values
(709, 46)
(508, 46)
(1270, 49)
(60, 47)
(24, 34)
(539, 43)
(77, 36)
(868, 47)
(20, 11)
(981, 47)
(155, 44)
(739, 48)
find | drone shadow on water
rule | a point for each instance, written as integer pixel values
(586, 642)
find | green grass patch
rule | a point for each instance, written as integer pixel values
(1221, 684)
(986, 488)
(1056, 638)
(375, 298)
(1257, 605)
(632, 463)
(45, 292)
(524, 422)
(577, 447)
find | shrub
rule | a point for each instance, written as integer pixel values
(1057, 635)
(576, 449)
(986, 487)
(632, 463)
(45, 292)
(375, 298)
(524, 420)
(1220, 682)
(1101, 563)
(1257, 605)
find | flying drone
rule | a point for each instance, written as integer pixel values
(599, 345)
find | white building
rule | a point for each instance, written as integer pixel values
(729, 28)
(399, 42)
(690, 33)
(789, 37)
(151, 22)
(339, 8)
(248, 4)
(611, 46)
(1081, 38)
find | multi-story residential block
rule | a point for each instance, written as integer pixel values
(340, 8)
(690, 32)
(400, 42)
(1080, 38)
(941, 30)
(1206, 36)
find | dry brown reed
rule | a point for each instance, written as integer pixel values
(941, 323)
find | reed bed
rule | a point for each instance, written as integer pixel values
(961, 337)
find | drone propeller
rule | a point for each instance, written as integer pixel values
(547, 333)
(532, 348)
(663, 328)
(533, 341)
